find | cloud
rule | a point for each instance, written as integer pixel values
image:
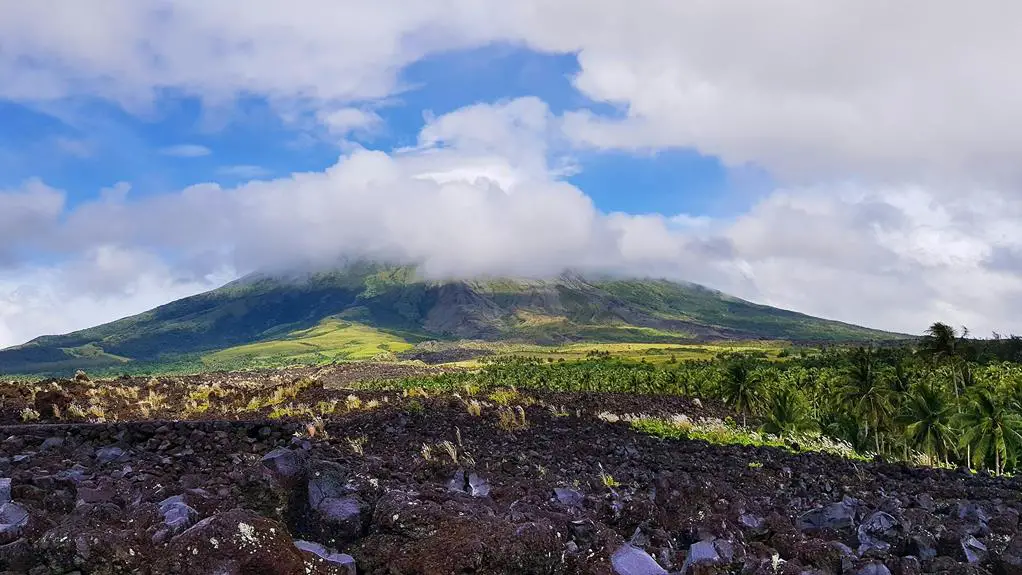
(897, 154)
(98, 286)
(344, 121)
(478, 195)
(186, 151)
(244, 171)
(27, 214)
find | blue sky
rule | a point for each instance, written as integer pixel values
(774, 155)
(84, 145)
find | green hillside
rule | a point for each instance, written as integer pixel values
(366, 309)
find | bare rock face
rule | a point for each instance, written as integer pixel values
(237, 542)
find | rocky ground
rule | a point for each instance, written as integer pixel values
(424, 485)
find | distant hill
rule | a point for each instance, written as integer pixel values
(369, 308)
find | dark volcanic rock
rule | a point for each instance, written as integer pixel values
(569, 497)
(839, 515)
(13, 518)
(236, 542)
(327, 560)
(630, 560)
(108, 454)
(285, 466)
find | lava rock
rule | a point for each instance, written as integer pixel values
(285, 466)
(1010, 559)
(5, 490)
(108, 454)
(477, 486)
(51, 443)
(13, 518)
(237, 541)
(569, 497)
(922, 546)
(630, 560)
(839, 515)
(874, 568)
(177, 515)
(325, 559)
(340, 518)
(974, 549)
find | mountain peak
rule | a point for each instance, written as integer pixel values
(397, 304)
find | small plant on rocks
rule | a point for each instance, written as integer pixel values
(512, 419)
(474, 408)
(352, 402)
(357, 445)
(29, 414)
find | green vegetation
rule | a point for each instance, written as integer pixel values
(947, 401)
(331, 340)
(272, 318)
(725, 433)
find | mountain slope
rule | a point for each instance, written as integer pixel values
(367, 302)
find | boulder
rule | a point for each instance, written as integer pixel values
(569, 497)
(177, 515)
(839, 515)
(108, 454)
(630, 560)
(235, 542)
(13, 518)
(285, 466)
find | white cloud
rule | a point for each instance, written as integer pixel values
(102, 285)
(186, 151)
(895, 129)
(344, 121)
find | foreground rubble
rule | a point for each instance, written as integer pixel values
(421, 485)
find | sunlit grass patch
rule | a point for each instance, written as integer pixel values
(720, 432)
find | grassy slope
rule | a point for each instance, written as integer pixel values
(331, 340)
(276, 314)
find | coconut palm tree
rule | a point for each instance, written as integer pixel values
(992, 428)
(742, 387)
(787, 412)
(865, 391)
(940, 342)
(927, 420)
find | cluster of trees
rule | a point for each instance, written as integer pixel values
(947, 399)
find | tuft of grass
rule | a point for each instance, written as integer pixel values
(474, 408)
(352, 402)
(29, 414)
(511, 419)
(357, 445)
(504, 397)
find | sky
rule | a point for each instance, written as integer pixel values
(854, 159)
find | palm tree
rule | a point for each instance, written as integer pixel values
(927, 421)
(940, 342)
(992, 428)
(742, 388)
(866, 392)
(788, 412)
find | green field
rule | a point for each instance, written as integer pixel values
(331, 340)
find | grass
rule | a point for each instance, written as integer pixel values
(331, 340)
(726, 433)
